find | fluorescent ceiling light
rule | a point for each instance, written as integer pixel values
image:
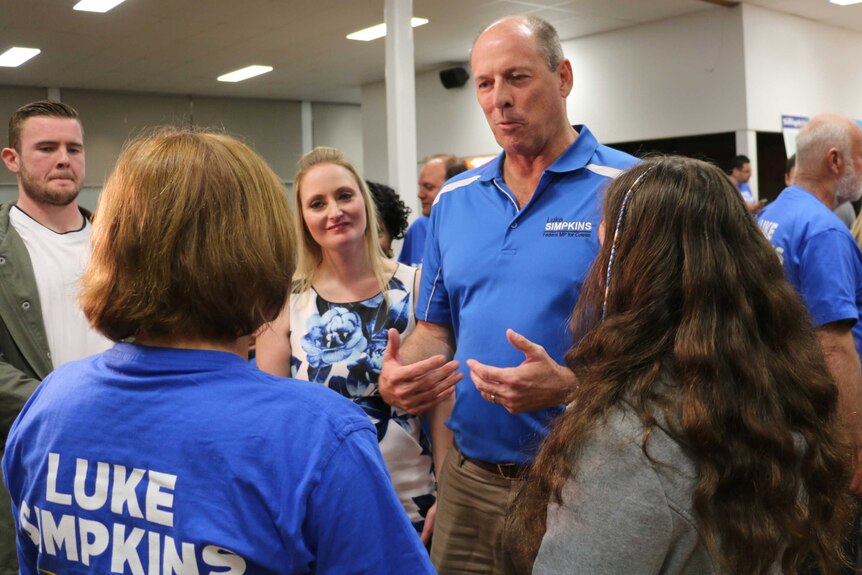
(379, 31)
(846, 2)
(244, 73)
(16, 56)
(96, 5)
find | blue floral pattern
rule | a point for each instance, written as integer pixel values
(341, 345)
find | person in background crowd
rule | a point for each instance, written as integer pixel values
(44, 246)
(392, 215)
(844, 211)
(333, 332)
(455, 169)
(431, 179)
(740, 174)
(821, 258)
(509, 244)
(701, 388)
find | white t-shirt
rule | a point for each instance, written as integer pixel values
(58, 263)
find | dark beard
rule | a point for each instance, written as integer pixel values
(46, 197)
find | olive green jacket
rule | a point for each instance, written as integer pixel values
(24, 355)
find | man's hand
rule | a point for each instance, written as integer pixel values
(415, 387)
(538, 383)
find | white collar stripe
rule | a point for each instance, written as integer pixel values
(455, 185)
(605, 171)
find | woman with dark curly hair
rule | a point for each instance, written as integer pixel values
(704, 435)
(346, 296)
(392, 214)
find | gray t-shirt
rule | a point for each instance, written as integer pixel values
(625, 514)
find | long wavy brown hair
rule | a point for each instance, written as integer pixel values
(698, 298)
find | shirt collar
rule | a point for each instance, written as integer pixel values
(575, 157)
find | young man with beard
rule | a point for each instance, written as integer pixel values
(44, 247)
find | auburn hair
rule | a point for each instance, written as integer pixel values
(191, 240)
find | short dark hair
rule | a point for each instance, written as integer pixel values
(50, 108)
(163, 266)
(391, 210)
(738, 162)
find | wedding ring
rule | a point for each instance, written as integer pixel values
(493, 398)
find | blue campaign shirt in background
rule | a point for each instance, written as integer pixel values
(745, 191)
(820, 257)
(155, 460)
(414, 242)
(489, 266)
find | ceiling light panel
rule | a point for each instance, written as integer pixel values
(96, 5)
(379, 31)
(244, 73)
(16, 56)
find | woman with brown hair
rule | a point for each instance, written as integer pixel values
(169, 452)
(704, 435)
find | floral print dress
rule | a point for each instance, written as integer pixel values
(341, 345)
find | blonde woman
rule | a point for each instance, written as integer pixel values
(346, 296)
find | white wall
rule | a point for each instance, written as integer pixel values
(682, 76)
(450, 121)
(339, 126)
(109, 119)
(798, 67)
(375, 164)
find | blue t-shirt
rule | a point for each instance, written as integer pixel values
(490, 266)
(414, 242)
(820, 257)
(745, 192)
(154, 460)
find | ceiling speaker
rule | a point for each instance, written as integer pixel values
(454, 77)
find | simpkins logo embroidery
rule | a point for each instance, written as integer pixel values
(559, 228)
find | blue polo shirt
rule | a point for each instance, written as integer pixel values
(489, 266)
(820, 257)
(414, 242)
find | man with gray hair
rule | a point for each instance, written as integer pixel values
(509, 244)
(821, 258)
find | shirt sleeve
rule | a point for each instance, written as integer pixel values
(355, 521)
(433, 302)
(406, 255)
(614, 517)
(829, 269)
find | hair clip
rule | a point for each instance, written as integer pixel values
(616, 239)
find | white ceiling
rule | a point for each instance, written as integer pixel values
(181, 46)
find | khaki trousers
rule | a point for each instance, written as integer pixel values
(471, 514)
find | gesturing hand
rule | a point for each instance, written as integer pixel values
(415, 387)
(537, 383)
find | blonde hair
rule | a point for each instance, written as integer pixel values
(191, 240)
(310, 253)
